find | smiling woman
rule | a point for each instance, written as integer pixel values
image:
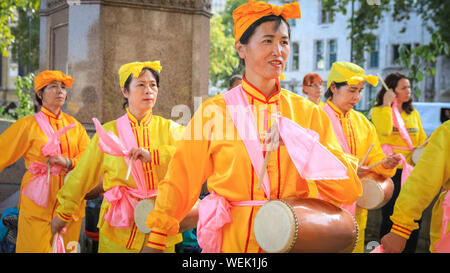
(232, 165)
(146, 142)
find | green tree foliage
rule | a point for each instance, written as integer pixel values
(9, 15)
(24, 91)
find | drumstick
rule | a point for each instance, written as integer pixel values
(54, 242)
(48, 173)
(266, 158)
(130, 163)
(382, 82)
(367, 154)
(378, 163)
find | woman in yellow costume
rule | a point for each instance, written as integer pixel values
(312, 86)
(152, 142)
(431, 176)
(26, 138)
(400, 130)
(214, 145)
(354, 131)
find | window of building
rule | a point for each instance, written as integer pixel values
(374, 60)
(332, 52)
(325, 17)
(295, 56)
(319, 53)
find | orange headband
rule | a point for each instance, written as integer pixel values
(246, 14)
(48, 76)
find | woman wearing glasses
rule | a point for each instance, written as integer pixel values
(313, 88)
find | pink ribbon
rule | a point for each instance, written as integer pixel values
(59, 244)
(37, 189)
(407, 169)
(123, 199)
(214, 213)
(400, 124)
(443, 245)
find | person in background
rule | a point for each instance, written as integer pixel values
(400, 131)
(312, 86)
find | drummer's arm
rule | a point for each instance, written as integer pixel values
(178, 192)
(82, 179)
(423, 184)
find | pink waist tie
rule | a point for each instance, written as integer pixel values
(407, 169)
(123, 201)
(37, 188)
(214, 212)
(443, 245)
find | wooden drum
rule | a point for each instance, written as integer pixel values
(377, 191)
(144, 207)
(416, 154)
(305, 225)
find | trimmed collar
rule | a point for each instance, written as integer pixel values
(337, 111)
(50, 113)
(258, 95)
(143, 122)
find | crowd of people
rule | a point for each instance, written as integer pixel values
(256, 127)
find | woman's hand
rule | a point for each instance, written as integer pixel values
(273, 139)
(362, 171)
(142, 154)
(57, 225)
(392, 161)
(57, 160)
(393, 243)
(388, 97)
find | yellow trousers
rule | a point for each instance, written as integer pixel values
(106, 245)
(34, 235)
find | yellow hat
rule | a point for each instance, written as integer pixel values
(48, 76)
(246, 14)
(136, 68)
(350, 73)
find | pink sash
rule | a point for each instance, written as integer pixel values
(443, 245)
(123, 199)
(37, 188)
(400, 125)
(312, 160)
(339, 132)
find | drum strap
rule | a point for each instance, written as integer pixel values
(214, 211)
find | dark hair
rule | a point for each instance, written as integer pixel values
(126, 86)
(329, 94)
(233, 79)
(392, 82)
(40, 92)
(251, 29)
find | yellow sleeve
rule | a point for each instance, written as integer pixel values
(382, 119)
(83, 178)
(431, 172)
(14, 142)
(164, 153)
(181, 185)
(337, 191)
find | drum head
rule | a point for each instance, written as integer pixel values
(141, 212)
(373, 194)
(276, 227)
(417, 153)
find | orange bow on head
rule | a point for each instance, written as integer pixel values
(48, 76)
(245, 15)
